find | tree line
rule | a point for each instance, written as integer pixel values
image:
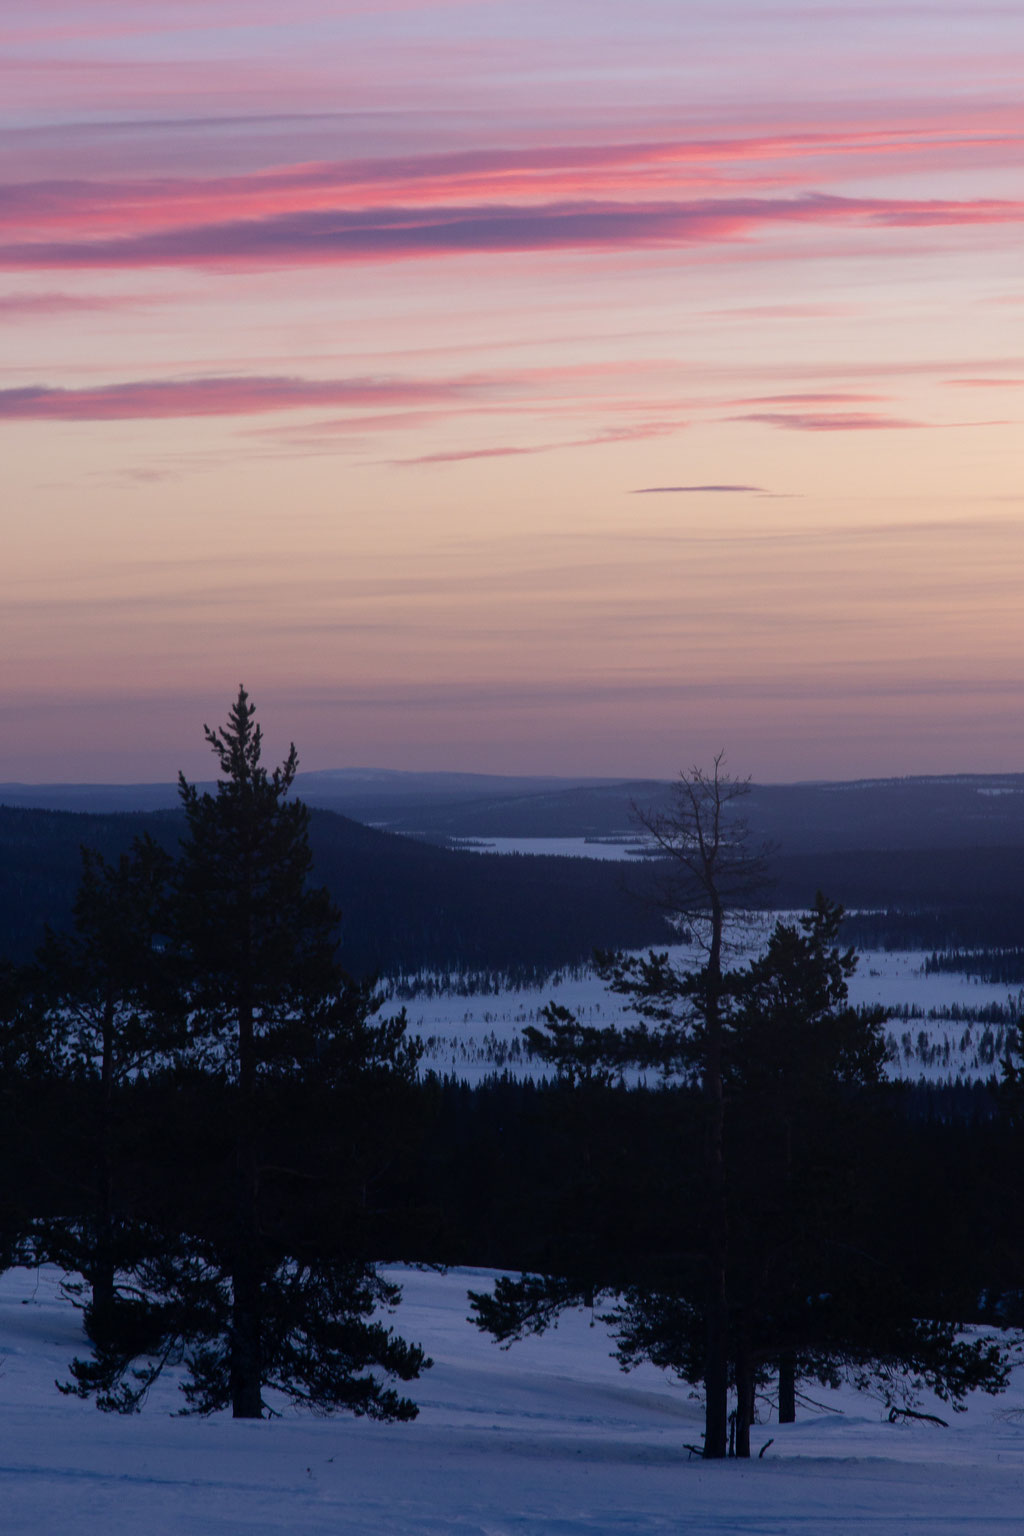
(212, 1128)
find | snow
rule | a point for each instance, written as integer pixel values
(470, 1035)
(548, 1437)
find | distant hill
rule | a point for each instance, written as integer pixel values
(966, 811)
(939, 861)
(405, 904)
(961, 811)
(366, 794)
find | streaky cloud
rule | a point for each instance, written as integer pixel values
(403, 232)
(217, 396)
(838, 421)
(694, 490)
(813, 397)
(610, 435)
(987, 383)
(31, 306)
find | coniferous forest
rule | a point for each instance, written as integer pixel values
(216, 1130)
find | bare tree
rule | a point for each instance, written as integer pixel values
(712, 873)
(713, 870)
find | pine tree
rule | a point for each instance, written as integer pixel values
(268, 1012)
(252, 943)
(95, 995)
(22, 1061)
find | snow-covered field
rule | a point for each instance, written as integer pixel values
(471, 1036)
(549, 1437)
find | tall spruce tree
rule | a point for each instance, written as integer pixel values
(268, 1012)
(94, 997)
(256, 946)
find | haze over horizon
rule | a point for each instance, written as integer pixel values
(352, 777)
(518, 389)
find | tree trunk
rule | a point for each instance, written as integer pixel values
(714, 871)
(246, 1369)
(744, 1399)
(246, 1363)
(787, 1388)
(716, 1378)
(102, 1258)
(716, 1365)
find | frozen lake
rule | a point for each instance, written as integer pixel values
(628, 847)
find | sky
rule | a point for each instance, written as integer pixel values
(554, 387)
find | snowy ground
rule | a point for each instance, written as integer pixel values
(549, 1437)
(471, 1036)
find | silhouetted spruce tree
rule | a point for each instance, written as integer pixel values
(22, 1063)
(800, 1060)
(99, 1009)
(797, 1283)
(809, 1293)
(266, 1008)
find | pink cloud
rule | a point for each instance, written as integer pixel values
(376, 403)
(530, 197)
(30, 306)
(487, 172)
(813, 397)
(599, 440)
(459, 455)
(226, 396)
(133, 207)
(395, 233)
(847, 421)
(987, 383)
(540, 170)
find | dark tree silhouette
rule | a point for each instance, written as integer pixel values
(787, 1070)
(265, 1006)
(712, 874)
(99, 1001)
